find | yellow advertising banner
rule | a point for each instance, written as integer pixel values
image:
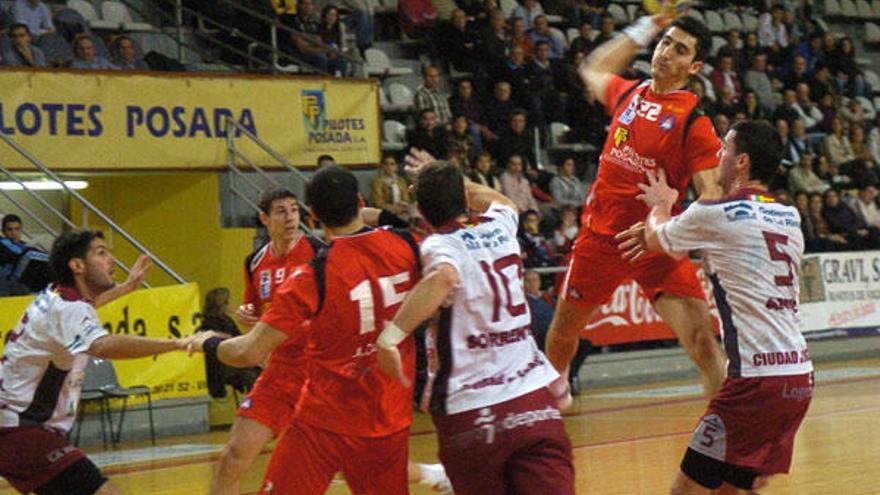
(163, 312)
(112, 120)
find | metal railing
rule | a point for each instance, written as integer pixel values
(234, 154)
(86, 204)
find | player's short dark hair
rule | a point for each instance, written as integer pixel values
(440, 193)
(67, 247)
(10, 218)
(699, 31)
(333, 195)
(20, 25)
(272, 195)
(762, 143)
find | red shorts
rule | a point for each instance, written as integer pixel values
(751, 423)
(597, 269)
(273, 399)
(31, 456)
(306, 458)
(518, 446)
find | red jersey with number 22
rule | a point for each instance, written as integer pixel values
(647, 133)
(366, 277)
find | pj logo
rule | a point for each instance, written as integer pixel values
(314, 109)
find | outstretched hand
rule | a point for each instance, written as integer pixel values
(194, 343)
(139, 271)
(657, 193)
(416, 161)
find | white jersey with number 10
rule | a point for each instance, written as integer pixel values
(482, 352)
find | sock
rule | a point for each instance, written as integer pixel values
(431, 474)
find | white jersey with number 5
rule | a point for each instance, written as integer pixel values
(482, 352)
(752, 247)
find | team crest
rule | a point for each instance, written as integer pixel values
(621, 135)
(667, 123)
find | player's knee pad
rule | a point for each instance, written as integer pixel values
(81, 478)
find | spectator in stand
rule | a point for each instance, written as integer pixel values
(799, 138)
(481, 172)
(540, 305)
(429, 136)
(750, 49)
(580, 11)
(516, 187)
(726, 104)
(464, 102)
(517, 140)
(21, 51)
(862, 170)
(811, 51)
(500, 109)
(519, 37)
(789, 153)
(822, 83)
(812, 242)
(836, 146)
(786, 111)
(803, 178)
(606, 30)
(359, 20)
(306, 39)
(828, 109)
(428, 96)
(852, 113)
(721, 124)
(566, 189)
(547, 104)
(772, 33)
(843, 220)
(528, 11)
(583, 43)
(751, 107)
(389, 191)
(330, 32)
(35, 14)
(874, 140)
(756, 79)
(325, 161)
(844, 59)
(459, 43)
(797, 73)
(494, 41)
(831, 174)
(827, 240)
(806, 108)
(15, 254)
(515, 72)
(461, 142)
(724, 75)
(537, 251)
(542, 32)
(123, 56)
(85, 56)
(567, 230)
(865, 205)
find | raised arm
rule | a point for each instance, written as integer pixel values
(481, 197)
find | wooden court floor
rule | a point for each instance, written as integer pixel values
(627, 440)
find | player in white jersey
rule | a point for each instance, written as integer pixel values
(487, 389)
(752, 248)
(43, 366)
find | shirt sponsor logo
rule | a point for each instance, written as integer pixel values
(780, 358)
(667, 123)
(488, 423)
(621, 135)
(797, 393)
(630, 159)
(498, 339)
(739, 211)
(265, 284)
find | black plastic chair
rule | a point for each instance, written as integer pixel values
(108, 383)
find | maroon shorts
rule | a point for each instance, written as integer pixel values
(752, 422)
(272, 400)
(306, 458)
(597, 269)
(518, 446)
(31, 456)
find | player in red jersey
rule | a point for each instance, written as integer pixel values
(268, 408)
(656, 125)
(349, 416)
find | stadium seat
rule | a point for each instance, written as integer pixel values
(832, 8)
(558, 34)
(877, 103)
(507, 7)
(87, 10)
(732, 21)
(868, 105)
(872, 33)
(717, 43)
(873, 79)
(378, 64)
(848, 9)
(632, 10)
(400, 97)
(117, 12)
(558, 132)
(108, 384)
(642, 66)
(554, 20)
(572, 34)
(393, 136)
(875, 7)
(714, 21)
(749, 22)
(618, 14)
(696, 14)
(864, 9)
(56, 48)
(707, 69)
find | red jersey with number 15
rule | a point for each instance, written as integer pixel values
(648, 132)
(263, 274)
(348, 292)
